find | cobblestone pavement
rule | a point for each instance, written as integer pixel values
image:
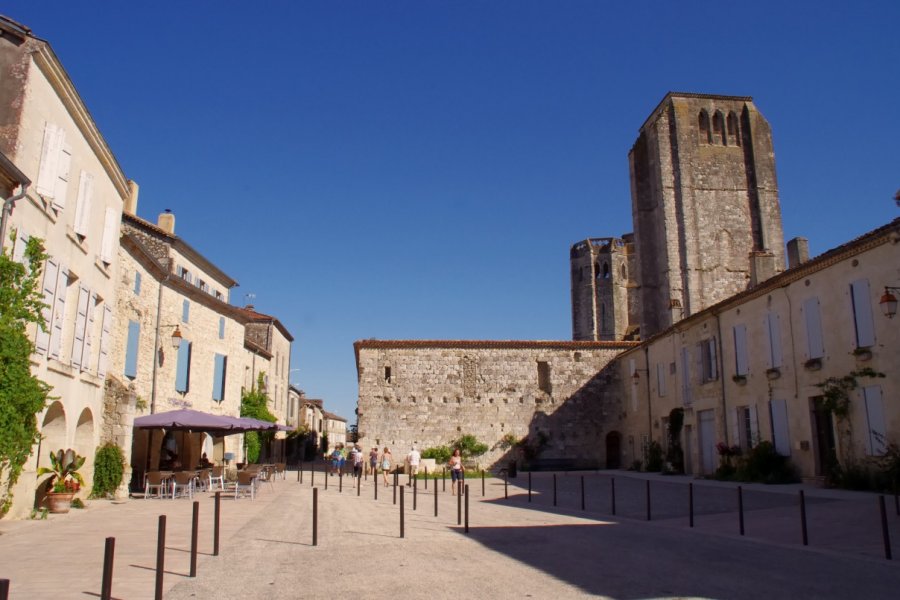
(514, 548)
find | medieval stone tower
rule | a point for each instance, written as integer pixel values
(603, 291)
(707, 222)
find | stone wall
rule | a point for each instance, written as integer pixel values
(428, 393)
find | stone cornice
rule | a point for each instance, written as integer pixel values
(53, 70)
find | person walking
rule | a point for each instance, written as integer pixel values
(358, 460)
(457, 471)
(373, 460)
(413, 459)
(386, 460)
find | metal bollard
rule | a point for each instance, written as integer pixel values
(4, 589)
(109, 552)
(327, 477)
(885, 534)
(312, 474)
(467, 509)
(529, 486)
(506, 485)
(613, 492)
(375, 484)
(218, 512)
(648, 499)
(741, 507)
(582, 492)
(426, 478)
(160, 556)
(341, 482)
(299, 473)
(195, 525)
(315, 523)
(554, 489)
(459, 506)
(402, 524)
(691, 503)
(803, 518)
(415, 488)
(358, 486)
(444, 481)
(395, 489)
(435, 496)
(482, 483)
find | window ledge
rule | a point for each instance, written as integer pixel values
(77, 240)
(91, 379)
(43, 206)
(102, 267)
(61, 368)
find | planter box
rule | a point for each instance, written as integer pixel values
(59, 502)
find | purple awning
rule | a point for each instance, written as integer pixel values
(187, 419)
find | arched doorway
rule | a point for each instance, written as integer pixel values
(84, 444)
(53, 438)
(613, 450)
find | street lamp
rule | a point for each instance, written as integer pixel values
(176, 338)
(888, 301)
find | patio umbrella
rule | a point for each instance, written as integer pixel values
(188, 420)
(242, 424)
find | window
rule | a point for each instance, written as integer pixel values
(740, 350)
(137, 283)
(387, 374)
(815, 347)
(744, 423)
(708, 362)
(220, 363)
(773, 328)
(734, 134)
(718, 123)
(21, 243)
(543, 373)
(185, 311)
(83, 204)
(49, 286)
(131, 349)
(110, 235)
(53, 173)
(105, 334)
(875, 430)
(661, 379)
(183, 368)
(862, 313)
(221, 328)
(703, 125)
(780, 435)
(84, 320)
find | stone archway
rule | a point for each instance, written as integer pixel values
(613, 450)
(53, 438)
(85, 445)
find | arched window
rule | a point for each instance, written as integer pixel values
(718, 127)
(703, 123)
(605, 270)
(624, 274)
(734, 135)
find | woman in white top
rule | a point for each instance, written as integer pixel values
(457, 472)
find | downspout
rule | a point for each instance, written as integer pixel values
(156, 344)
(7, 209)
(721, 358)
(649, 405)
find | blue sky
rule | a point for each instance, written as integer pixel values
(420, 169)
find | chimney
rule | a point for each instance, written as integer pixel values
(166, 222)
(130, 205)
(762, 267)
(797, 251)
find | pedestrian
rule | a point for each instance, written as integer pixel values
(343, 459)
(386, 460)
(413, 459)
(358, 460)
(457, 471)
(335, 459)
(373, 460)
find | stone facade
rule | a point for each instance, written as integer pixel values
(605, 303)
(427, 393)
(707, 221)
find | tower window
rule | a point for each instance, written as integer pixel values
(718, 126)
(387, 374)
(734, 136)
(543, 373)
(703, 123)
(605, 270)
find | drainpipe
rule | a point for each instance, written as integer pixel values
(8, 206)
(721, 359)
(649, 404)
(156, 343)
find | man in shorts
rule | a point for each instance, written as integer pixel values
(413, 458)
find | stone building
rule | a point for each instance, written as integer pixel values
(74, 204)
(334, 427)
(605, 303)
(748, 368)
(707, 223)
(427, 393)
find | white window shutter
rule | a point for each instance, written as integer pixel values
(862, 313)
(105, 333)
(83, 210)
(84, 298)
(740, 350)
(754, 426)
(713, 359)
(47, 171)
(51, 273)
(774, 329)
(815, 346)
(59, 313)
(88, 333)
(62, 180)
(780, 429)
(735, 426)
(19, 246)
(109, 235)
(875, 431)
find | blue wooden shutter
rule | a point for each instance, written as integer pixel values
(137, 283)
(219, 366)
(185, 311)
(183, 369)
(221, 328)
(131, 351)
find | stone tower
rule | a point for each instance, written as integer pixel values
(707, 221)
(603, 291)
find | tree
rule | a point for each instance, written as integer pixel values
(22, 395)
(255, 404)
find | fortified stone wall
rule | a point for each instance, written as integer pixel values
(427, 393)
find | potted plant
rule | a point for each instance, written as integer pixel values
(64, 477)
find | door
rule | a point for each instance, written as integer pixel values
(823, 429)
(707, 439)
(613, 450)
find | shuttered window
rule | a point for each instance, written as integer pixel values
(131, 349)
(19, 246)
(661, 379)
(185, 311)
(741, 366)
(110, 229)
(84, 298)
(59, 313)
(815, 346)
(183, 368)
(780, 431)
(221, 328)
(220, 363)
(709, 364)
(773, 328)
(875, 429)
(137, 283)
(862, 313)
(88, 333)
(51, 274)
(105, 333)
(54, 138)
(83, 206)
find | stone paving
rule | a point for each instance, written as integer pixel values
(514, 548)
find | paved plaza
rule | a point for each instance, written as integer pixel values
(514, 548)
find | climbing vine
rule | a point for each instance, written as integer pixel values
(255, 404)
(22, 395)
(836, 391)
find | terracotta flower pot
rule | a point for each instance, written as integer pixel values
(59, 502)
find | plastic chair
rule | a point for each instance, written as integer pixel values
(280, 470)
(154, 480)
(217, 477)
(184, 481)
(246, 482)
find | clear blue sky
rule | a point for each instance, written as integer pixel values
(419, 169)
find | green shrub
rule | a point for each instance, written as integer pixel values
(109, 465)
(440, 454)
(469, 446)
(77, 503)
(764, 465)
(654, 457)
